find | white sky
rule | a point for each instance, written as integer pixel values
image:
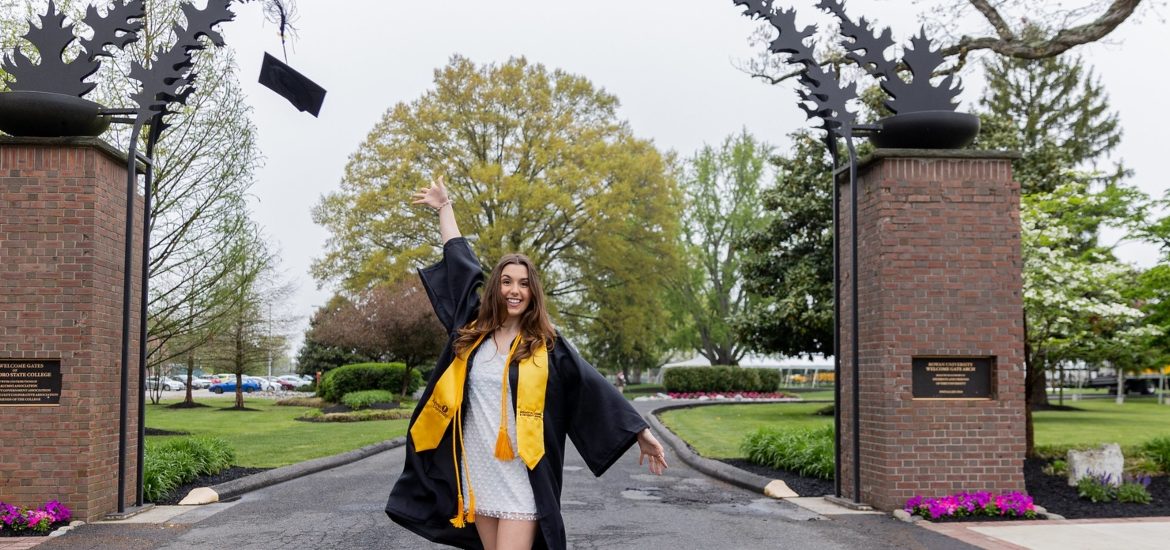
(670, 64)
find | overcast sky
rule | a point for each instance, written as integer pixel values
(670, 64)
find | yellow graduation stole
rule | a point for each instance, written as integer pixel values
(447, 399)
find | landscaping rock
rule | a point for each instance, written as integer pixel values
(778, 489)
(904, 516)
(200, 495)
(1104, 461)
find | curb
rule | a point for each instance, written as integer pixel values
(713, 468)
(237, 487)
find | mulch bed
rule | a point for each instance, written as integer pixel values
(235, 472)
(1051, 492)
(1055, 495)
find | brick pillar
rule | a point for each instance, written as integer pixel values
(62, 226)
(939, 277)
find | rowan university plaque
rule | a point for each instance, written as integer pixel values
(30, 382)
(951, 377)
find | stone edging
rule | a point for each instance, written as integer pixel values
(253, 482)
(713, 468)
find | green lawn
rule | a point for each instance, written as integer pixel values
(1102, 421)
(269, 437)
(715, 431)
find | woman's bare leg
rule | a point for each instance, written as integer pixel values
(487, 529)
(515, 534)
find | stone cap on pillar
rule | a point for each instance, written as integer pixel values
(878, 154)
(80, 141)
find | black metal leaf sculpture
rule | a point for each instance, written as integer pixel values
(866, 49)
(169, 78)
(920, 94)
(54, 36)
(123, 18)
(822, 96)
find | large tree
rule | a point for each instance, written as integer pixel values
(789, 265)
(389, 322)
(1004, 28)
(721, 186)
(536, 162)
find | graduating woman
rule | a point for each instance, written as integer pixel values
(485, 454)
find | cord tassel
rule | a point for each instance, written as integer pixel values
(503, 443)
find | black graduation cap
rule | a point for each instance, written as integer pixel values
(303, 93)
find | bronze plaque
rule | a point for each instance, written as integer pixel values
(952, 377)
(30, 382)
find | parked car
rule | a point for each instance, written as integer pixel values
(168, 384)
(249, 386)
(263, 383)
(291, 381)
(200, 383)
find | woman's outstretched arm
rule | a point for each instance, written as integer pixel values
(435, 197)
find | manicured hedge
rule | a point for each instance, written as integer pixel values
(365, 376)
(720, 379)
(365, 399)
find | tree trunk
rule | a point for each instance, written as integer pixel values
(189, 399)
(405, 380)
(1120, 386)
(239, 391)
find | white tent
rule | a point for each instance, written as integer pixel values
(786, 365)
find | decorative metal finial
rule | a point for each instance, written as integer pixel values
(53, 37)
(924, 111)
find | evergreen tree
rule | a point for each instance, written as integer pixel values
(1055, 112)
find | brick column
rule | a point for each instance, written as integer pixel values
(939, 276)
(62, 226)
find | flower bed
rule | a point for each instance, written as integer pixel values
(705, 395)
(24, 522)
(974, 506)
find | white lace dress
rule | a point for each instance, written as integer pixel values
(502, 489)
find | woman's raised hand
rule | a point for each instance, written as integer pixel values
(433, 196)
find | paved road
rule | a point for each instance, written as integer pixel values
(627, 508)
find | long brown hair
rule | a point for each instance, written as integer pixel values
(535, 326)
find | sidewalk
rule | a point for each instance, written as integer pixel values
(1151, 533)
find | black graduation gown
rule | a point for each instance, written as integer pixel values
(579, 403)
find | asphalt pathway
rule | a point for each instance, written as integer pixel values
(626, 508)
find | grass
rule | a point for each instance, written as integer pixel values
(268, 437)
(1102, 421)
(638, 390)
(716, 431)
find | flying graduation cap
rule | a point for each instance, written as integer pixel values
(303, 93)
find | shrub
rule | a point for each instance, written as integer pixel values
(316, 415)
(315, 402)
(1157, 451)
(808, 452)
(168, 465)
(307, 388)
(1096, 488)
(720, 379)
(366, 376)
(1057, 467)
(367, 398)
(1136, 490)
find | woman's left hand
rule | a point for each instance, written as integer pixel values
(649, 446)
